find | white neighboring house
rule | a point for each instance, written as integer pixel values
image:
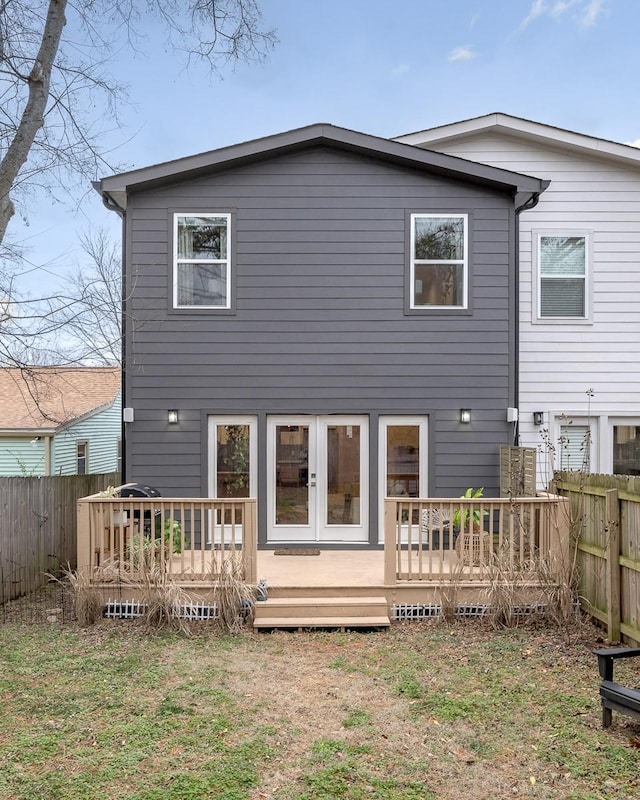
(579, 278)
(60, 420)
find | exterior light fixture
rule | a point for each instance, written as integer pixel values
(172, 416)
(465, 415)
(538, 417)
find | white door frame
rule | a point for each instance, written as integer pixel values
(385, 421)
(318, 528)
(213, 532)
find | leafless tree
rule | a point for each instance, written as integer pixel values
(56, 96)
(79, 324)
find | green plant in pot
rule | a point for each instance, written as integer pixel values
(171, 532)
(460, 517)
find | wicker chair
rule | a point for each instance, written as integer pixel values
(433, 522)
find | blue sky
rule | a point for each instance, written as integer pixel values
(376, 66)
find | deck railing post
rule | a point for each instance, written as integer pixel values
(390, 543)
(250, 542)
(84, 547)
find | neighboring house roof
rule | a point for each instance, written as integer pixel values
(524, 129)
(115, 188)
(46, 399)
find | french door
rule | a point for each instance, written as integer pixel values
(317, 478)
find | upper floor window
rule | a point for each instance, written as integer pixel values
(562, 273)
(201, 269)
(439, 256)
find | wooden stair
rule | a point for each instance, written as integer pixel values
(321, 612)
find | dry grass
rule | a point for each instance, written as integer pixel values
(233, 597)
(87, 600)
(423, 712)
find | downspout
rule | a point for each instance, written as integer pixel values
(111, 205)
(532, 202)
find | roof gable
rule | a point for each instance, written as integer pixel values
(116, 188)
(524, 129)
(50, 398)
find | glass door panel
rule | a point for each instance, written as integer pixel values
(292, 474)
(317, 480)
(343, 475)
(403, 463)
(232, 469)
(403, 460)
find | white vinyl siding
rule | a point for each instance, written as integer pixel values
(561, 359)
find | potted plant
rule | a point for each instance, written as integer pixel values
(461, 518)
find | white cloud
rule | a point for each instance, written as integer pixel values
(593, 8)
(401, 69)
(634, 143)
(560, 6)
(586, 11)
(538, 8)
(462, 53)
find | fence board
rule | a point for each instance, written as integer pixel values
(38, 527)
(608, 553)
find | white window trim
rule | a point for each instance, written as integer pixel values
(593, 423)
(213, 215)
(252, 423)
(536, 236)
(384, 421)
(612, 421)
(464, 261)
(85, 443)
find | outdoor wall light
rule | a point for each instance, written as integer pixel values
(538, 417)
(465, 415)
(172, 416)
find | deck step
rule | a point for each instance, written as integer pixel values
(322, 612)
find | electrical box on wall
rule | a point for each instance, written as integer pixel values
(127, 414)
(512, 415)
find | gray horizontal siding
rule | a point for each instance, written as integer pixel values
(319, 263)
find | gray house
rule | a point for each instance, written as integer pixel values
(319, 319)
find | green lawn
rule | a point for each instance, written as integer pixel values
(423, 711)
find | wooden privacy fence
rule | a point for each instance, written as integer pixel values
(429, 539)
(38, 527)
(605, 510)
(188, 539)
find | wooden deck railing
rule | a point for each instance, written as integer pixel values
(187, 538)
(432, 539)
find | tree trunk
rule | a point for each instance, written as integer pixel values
(32, 118)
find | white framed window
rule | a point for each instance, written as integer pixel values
(403, 460)
(202, 261)
(82, 457)
(563, 272)
(233, 469)
(625, 446)
(575, 445)
(439, 261)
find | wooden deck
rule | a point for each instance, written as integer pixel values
(432, 551)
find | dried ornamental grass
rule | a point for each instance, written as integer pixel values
(233, 597)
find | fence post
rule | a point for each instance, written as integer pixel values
(390, 543)
(612, 529)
